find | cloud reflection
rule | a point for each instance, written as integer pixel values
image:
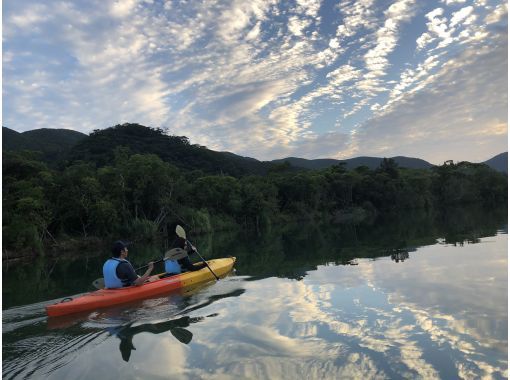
(368, 321)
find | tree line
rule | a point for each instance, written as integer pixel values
(140, 196)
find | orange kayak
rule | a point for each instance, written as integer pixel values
(109, 297)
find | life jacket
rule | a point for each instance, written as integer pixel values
(172, 266)
(111, 281)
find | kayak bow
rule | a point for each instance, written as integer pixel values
(109, 297)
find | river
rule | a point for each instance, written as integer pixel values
(408, 296)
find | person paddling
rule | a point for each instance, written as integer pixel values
(182, 265)
(118, 272)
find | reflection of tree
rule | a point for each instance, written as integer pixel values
(293, 249)
(289, 250)
(399, 255)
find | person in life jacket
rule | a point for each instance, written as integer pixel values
(118, 272)
(173, 267)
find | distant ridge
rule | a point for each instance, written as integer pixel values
(498, 162)
(58, 144)
(99, 147)
(352, 163)
(52, 143)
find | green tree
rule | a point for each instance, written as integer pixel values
(219, 193)
(259, 200)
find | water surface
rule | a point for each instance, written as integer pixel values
(415, 298)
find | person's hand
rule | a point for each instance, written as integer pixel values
(190, 248)
(151, 266)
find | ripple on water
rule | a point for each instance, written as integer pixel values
(38, 347)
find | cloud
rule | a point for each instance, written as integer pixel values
(438, 28)
(357, 15)
(288, 76)
(246, 99)
(387, 36)
(234, 19)
(328, 145)
(498, 14)
(122, 8)
(308, 7)
(458, 101)
(461, 15)
(298, 25)
(99, 62)
(28, 18)
(254, 32)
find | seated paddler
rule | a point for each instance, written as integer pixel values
(118, 271)
(183, 263)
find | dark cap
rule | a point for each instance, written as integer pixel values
(117, 248)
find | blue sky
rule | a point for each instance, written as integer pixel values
(267, 79)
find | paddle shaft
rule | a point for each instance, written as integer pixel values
(182, 234)
(145, 266)
(205, 262)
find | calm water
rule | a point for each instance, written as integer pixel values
(412, 296)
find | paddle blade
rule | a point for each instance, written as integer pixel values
(182, 335)
(98, 283)
(175, 254)
(180, 232)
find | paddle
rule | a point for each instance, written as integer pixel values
(175, 254)
(182, 335)
(182, 234)
(98, 283)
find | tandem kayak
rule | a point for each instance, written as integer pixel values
(109, 297)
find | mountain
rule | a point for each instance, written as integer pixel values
(499, 162)
(12, 140)
(53, 143)
(100, 146)
(352, 163)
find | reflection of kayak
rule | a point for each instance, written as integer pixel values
(108, 297)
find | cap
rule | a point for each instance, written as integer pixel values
(117, 248)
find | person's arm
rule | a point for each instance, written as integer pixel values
(180, 242)
(140, 280)
(188, 265)
(126, 273)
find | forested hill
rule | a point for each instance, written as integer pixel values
(54, 144)
(101, 146)
(130, 180)
(353, 163)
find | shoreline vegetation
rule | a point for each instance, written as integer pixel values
(105, 188)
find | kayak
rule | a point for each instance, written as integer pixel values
(109, 297)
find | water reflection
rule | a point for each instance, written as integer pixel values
(399, 255)
(39, 349)
(441, 312)
(285, 251)
(176, 328)
(444, 316)
(293, 250)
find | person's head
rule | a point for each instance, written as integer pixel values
(118, 247)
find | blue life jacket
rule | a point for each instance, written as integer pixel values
(111, 281)
(172, 266)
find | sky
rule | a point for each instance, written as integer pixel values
(267, 79)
